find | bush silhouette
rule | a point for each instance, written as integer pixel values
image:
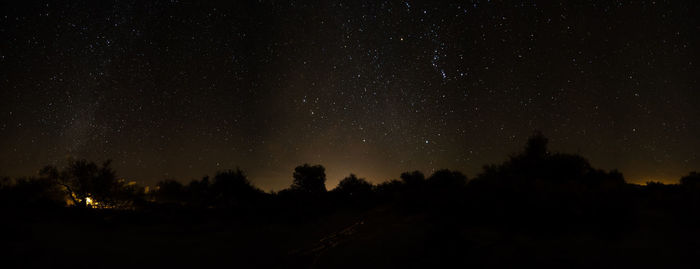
(691, 181)
(388, 189)
(445, 178)
(200, 193)
(30, 192)
(170, 191)
(414, 178)
(354, 187)
(85, 181)
(537, 146)
(309, 179)
(537, 168)
(232, 188)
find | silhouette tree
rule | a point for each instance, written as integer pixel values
(413, 178)
(85, 181)
(389, 188)
(232, 188)
(30, 192)
(601, 180)
(200, 192)
(566, 167)
(692, 180)
(447, 179)
(309, 179)
(170, 191)
(352, 186)
(537, 146)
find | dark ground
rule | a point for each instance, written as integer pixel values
(387, 235)
(535, 210)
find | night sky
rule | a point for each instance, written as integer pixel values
(173, 89)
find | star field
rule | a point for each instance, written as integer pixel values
(174, 89)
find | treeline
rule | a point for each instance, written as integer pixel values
(532, 178)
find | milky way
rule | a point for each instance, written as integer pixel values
(173, 89)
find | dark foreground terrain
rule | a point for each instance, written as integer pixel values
(387, 235)
(535, 210)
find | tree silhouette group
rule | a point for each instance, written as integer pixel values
(85, 184)
(534, 193)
